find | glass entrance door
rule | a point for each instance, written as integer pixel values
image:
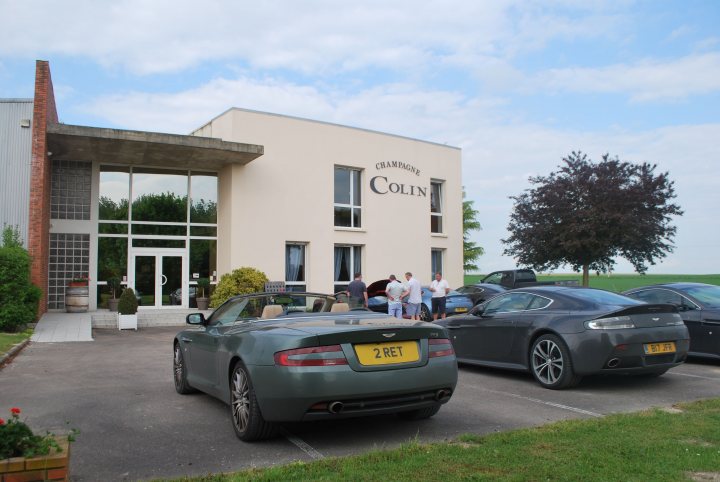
(158, 277)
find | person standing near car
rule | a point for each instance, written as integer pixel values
(357, 291)
(415, 296)
(439, 288)
(395, 292)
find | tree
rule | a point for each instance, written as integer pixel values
(586, 214)
(471, 251)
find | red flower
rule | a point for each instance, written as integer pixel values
(2, 422)
(15, 411)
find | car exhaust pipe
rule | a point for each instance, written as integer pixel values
(335, 407)
(613, 362)
(442, 394)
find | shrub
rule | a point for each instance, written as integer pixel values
(241, 281)
(114, 286)
(128, 302)
(18, 440)
(18, 297)
(203, 285)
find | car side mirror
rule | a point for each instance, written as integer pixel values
(195, 319)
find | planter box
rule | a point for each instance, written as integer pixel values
(54, 466)
(127, 322)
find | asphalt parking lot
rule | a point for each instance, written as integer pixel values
(118, 391)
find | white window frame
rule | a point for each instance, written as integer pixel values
(302, 283)
(354, 171)
(440, 203)
(441, 257)
(353, 269)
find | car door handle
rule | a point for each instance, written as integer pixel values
(186, 340)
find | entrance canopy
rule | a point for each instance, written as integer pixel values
(146, 148)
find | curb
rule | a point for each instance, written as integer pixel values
(7, 357)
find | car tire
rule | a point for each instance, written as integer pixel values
(180, 372)
(420, 413)
(247, 421)
(550, 363)
(425, 314)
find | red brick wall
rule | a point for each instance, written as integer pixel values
(44, 112)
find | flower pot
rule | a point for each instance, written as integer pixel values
(127, 322)
(113, 304)
(54, 466)
(77, 298)
(202, 303)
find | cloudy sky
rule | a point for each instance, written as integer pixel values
(517, 84)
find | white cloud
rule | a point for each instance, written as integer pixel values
(643, 81)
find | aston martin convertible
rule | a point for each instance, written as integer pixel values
(287, 357)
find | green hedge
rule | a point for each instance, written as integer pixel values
(18, 297)
(241, 281)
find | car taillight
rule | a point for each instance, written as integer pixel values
(317, 356)
(440, 347)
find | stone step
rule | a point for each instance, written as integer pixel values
(146, 318)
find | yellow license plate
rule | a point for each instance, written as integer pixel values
(658, 348)
(387, 353)
(460, 310)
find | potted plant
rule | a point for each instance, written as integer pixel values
(77, 294)
(203, 286)
(30, 457)
(127, 310)
(114, 285)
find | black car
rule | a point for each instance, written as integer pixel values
(562, 333)
(176, 297)
(699, 307)
(480, 292)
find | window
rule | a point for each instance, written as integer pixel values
(513, 302)
(436, 261)
(348, 261)
(295, 267)
(436, 205)
(347, 197)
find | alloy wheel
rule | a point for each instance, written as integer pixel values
(548, 362)
(178, 366)
(240, 399)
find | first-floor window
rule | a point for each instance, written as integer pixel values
(295, 267)
(348, 261)
(436, 207)
(436, 261)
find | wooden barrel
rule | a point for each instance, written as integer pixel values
(76, 299)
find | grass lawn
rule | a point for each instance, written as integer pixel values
(621, 282)
(648, 445)
(7, 340)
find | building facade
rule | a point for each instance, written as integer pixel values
(307, 202)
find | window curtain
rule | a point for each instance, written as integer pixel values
(294, 262)
(342, 263)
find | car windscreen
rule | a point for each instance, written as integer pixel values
(601, 297)
(708, 295)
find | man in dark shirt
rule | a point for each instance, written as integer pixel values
(357, 291)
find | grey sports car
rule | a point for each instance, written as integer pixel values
(561, 334)
(282, 357)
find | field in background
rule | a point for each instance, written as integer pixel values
(621, 282)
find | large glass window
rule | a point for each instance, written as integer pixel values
(114, 193)
(436, 211)
(203, 191)
(436, 261)
(295, 267)
(159, 195)
(348, 261)
(347, 197)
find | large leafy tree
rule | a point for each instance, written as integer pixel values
(471, 251)
(586, 214)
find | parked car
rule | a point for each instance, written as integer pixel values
(562, 333)
(289, 357)
(456, 302)
(176, 296)
(519, 278)
(480, 292)
(699, 307)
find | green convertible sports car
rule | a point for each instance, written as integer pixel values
(282, 357)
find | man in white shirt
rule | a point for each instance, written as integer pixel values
(439, 288)
(415, 299)
(395, 292)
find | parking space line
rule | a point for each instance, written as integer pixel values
(544, 402)
(694, 376)
(302, 445)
